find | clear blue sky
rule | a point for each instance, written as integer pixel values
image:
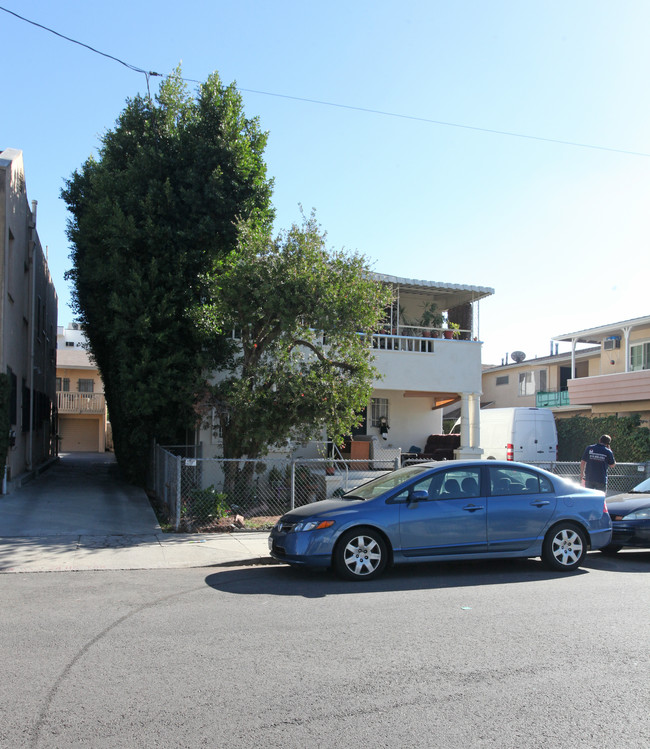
(560, 232)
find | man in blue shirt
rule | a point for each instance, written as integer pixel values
(595, 460)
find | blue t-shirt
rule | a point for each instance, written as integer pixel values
(597, 457)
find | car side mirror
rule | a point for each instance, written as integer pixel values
(418, 496)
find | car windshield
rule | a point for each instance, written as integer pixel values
(642, 488)
(385, 483)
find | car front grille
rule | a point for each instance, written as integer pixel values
(286, 526)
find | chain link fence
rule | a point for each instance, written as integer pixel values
(204, 495)
(620, 478)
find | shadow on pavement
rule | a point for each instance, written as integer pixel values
(288, 581)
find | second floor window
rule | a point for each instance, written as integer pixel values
(640, 356)
(526, 383)
(86, 386)
(63, 384)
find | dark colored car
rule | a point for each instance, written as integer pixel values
(630, 514)
(448, 510)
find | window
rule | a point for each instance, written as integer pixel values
(508, 481)
(69, 343)
(378, 409)
(456, 483)
(503, 380)
(216, 432)
(85, 386)
(542, 380)
(526, 383)
(640, 356)
(63, 384)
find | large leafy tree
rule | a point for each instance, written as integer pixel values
(149, 216)
(301, 359)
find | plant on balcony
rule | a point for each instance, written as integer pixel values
(430, 318)
(453, 330)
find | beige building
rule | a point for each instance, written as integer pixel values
(81, 404)
(28, 317)
(611, 376)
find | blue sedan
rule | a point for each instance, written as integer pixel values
(446, 511)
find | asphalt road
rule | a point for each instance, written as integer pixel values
(498, 654)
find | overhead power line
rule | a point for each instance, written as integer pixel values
(383, 113)
(81, 44)
(451, 124)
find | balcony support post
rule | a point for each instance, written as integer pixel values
(469, 427)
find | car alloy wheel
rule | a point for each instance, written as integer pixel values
(360, 554)
(564, 547)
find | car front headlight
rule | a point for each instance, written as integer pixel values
(312, 525)
(643, 514)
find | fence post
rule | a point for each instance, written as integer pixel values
(177, 522)
(293, 484)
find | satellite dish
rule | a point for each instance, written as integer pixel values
(518, 356)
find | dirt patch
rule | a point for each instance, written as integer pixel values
(230, 525)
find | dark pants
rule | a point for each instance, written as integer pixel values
(596, 485)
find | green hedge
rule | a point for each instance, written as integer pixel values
(630, 441)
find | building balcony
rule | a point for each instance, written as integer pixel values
(614, 388)
(421, 364)
(551, 399)
(80, 403)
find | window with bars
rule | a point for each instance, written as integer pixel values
(378, 409)
(63, 384)
(85, 386)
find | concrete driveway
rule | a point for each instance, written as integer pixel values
(80, 515)
(82, 493)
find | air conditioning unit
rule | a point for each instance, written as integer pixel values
(611, 343)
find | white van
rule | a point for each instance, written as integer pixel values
(528, 435)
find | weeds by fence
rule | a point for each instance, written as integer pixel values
(201, 495)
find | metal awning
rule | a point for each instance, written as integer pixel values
(599, 334)
(446, 294)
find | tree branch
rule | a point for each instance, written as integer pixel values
(340, 364)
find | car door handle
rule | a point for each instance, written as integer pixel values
(472, 508)
(540, 502)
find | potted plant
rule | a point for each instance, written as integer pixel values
(452, 330)
(430, 318)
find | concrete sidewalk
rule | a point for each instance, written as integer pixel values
(67, 553)
(80, 515)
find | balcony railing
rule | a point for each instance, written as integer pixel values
(80, 403)
(415, 338)
(552, 398)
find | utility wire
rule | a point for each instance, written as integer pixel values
(383, 113)
(450, 124)
(81, 44)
